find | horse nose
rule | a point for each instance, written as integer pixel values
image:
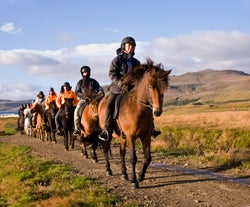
(157, 112)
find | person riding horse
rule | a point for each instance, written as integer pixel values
(122, 64)
(50, 98)
(86, 88)
(39, 100)
(67, 93)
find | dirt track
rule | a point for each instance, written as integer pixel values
(162, 186)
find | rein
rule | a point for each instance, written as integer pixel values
(93, 111)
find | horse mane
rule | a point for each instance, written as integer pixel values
(133, 78)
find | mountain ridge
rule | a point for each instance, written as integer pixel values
(208, 85)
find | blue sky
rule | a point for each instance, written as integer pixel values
(44, 43)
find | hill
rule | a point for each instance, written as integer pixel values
(210, 86)
(207, 86)
(11, 106)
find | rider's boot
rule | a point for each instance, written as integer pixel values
(155, 132)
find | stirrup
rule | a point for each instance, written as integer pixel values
(104, 135)
(76, 132)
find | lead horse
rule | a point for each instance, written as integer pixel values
(135, 119)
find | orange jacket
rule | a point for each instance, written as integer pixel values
(49, 99)
(66, 94)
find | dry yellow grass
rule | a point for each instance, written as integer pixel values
(214, 120)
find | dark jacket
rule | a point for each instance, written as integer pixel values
(88, 87)
(118, 68)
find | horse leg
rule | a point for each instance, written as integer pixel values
(94, 146)
(106, 147)
(53, 136)
(66, 139)
(133, 160)
(146, 161)
(84, 152)
(53, 131)
(72, 139)
(122, 157)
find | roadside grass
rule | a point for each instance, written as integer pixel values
(215, 137)
(7, 126)
(27, 181)
(215, 134)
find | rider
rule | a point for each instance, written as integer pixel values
(67, 93)
(123, 63)
(51, 97)
(40, 99)
(86, 88)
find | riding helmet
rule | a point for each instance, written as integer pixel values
(129, 40)
(66, 84)
(40, 94)
(85, 69)
(51, 89)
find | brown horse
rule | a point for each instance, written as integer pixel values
(135, 118)
(50, 122)
(90, 128)
(68, 122)
(39, 109)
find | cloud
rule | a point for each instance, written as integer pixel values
(183, 53)
(10, 27)
(114, 30)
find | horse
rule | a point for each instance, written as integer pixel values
(50, 122)
(27, 124)
(135, 119)
(90, 127)
(39, 109)
(68, 122)
(20, 122)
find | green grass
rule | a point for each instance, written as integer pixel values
(26, 181)
(223, 147)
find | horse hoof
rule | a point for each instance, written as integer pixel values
(141, 178)
(109, 173)
(95, 161)
(135, 186)
(124, 177)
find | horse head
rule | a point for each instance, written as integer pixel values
(52, 109)
(157, 85)
(150, 82)
(68, 107)
(37, 108)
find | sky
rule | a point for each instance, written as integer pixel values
(44, 43)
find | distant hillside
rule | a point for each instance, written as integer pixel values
(11, 106)
(203, 86)
(210, 86)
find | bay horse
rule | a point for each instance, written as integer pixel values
(39, 109)
(50, 122)
(135, 118)
(90, 127)
(68, 122)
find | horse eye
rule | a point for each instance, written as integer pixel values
(150, 87)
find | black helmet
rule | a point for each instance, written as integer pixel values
(85, 69)
(66, 84)
(40, 94)
(129, 40)
(51, 89)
